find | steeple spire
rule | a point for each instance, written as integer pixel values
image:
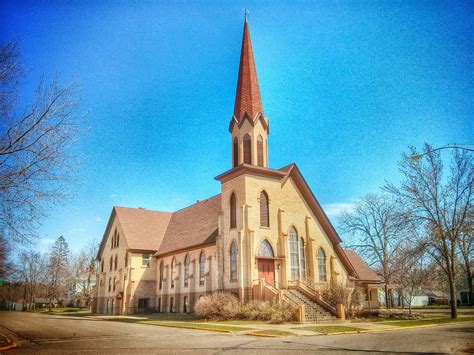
(247, 98)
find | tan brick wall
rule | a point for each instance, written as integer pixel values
(287, 202)
(194, 289)
(119, 272)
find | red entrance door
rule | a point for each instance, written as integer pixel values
(266, 270)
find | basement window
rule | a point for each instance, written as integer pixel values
(143, 303)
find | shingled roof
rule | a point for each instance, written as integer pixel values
(143, 229)
(247, 98)
(167, 232)
(192, 226)
(363, 270)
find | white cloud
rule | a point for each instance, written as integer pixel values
(333, 209)
(98, 219)
(113, 195)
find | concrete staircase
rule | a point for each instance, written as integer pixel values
(313, 311)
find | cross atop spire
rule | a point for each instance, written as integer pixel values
(247, 98)
(246, 12)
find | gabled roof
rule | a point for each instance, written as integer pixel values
(247, 97)
(192, 226)
(283, 174)
(363, 270)
(143, 229)
(167, 231)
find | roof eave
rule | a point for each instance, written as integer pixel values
(249, 169)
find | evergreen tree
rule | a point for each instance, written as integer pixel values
(58, 270)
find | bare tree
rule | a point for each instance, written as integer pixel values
(31, 268)
(438, 203)
(35, 148)
(411, 273)
(84, 270)
(466, 249)
(10, 73)
(376, 226)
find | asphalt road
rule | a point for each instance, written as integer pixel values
(44, 334)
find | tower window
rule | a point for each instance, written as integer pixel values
(247, 149)
(259, 150)
(233, 211)
(264, 216)
(236, 152)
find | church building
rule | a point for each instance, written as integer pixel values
(264, 236)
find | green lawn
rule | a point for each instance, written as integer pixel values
(444, 320)
(172, 317)
(436, 307)
(325, 329)
(237, 322)
(272, 333)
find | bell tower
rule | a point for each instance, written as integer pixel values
(248, 126)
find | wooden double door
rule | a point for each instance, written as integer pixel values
(266, 270)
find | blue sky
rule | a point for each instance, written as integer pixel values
(346, 85)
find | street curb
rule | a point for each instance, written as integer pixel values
(269, 335)
(195, 328)
(11, 345)
(388, 329)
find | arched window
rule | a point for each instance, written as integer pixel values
(173, 267)
(110, 284)
(102, 265)
(161, 275)
(247, 149)
(115, 262)
(233, 211)
(236, 152)
(114, 283)
(186, 271)
(111, 262)
(259, 150)
(126, 259)
(202, 268)
(295, 269)
(233, 262)
(118, 240)
(322, 265)
(264, 215)
(265, 249)
(302, 260)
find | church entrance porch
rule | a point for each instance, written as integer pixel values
(266, 270)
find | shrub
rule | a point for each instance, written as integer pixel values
(218, 305)
(347, 295)
(221, 305)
